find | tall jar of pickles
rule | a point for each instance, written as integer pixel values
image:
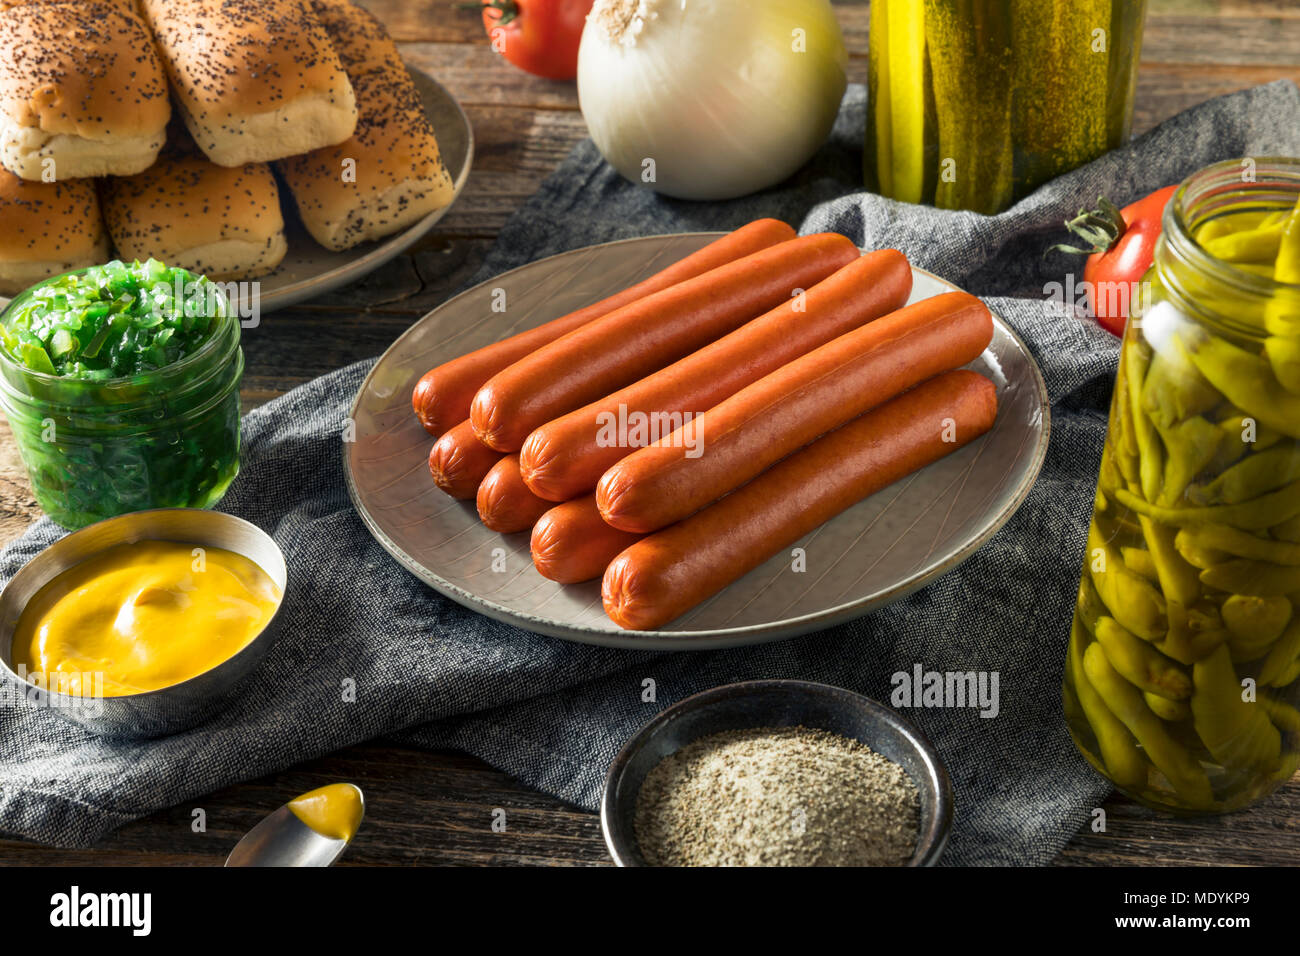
(975, 103)
(1182, 679)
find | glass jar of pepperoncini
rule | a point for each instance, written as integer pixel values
(1182, 679)
(121, 385)
(975, 103)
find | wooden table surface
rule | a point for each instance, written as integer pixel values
(436, 808)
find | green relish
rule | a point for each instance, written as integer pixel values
(121, 385)
(112, 321)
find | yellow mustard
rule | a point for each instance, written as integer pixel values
(333, 811)
(142, 616)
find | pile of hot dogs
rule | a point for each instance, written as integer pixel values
(801, 382)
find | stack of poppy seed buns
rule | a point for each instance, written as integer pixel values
(316, 85)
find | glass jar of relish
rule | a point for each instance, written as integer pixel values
(121, 385)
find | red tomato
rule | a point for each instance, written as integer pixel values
(540, 36)
(1123, 242)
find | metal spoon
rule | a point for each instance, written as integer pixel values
(281, 839)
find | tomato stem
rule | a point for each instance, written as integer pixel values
(1100, 228)
(507, 10)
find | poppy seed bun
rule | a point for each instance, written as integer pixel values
(49, 228)
(256, 80)
(126, 6)
(361, 41)
(80, 84)
(221, 222)
(396, 174)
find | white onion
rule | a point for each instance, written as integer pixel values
(713, 98)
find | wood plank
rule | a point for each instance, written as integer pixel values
(512, 139)
(1164, 90)
(1267, 834)
(435, 809)
(1245, 31)
(439, 21)
(1225, 8)
(428, 21)
(1247, 41)
(421, 808)
(475, 75)
(18, 507)
(342, 329)
(516, 148)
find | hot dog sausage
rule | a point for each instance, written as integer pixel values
(664, 575)
(572, 543)
(565, 457)
(459, 462)
(442, 396)
(659, 484)
(504, 502)
(644, 336)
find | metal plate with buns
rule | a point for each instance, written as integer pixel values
(307, 155)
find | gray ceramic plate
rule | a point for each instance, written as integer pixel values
(310, 270)
(874, 553)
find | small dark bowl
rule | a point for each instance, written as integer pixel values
(776, 703)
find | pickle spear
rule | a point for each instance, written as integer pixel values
(1237, 732)
(1272, 508)
(1254, 624)
(1125, 39)
(1255, 475)
(1248, 382)
(1059, 120)
(1125, 702)
(1178, 579)
(1140, 663)
(900, 112)
(1124, 762)
(969, 43)
(881, 143)
(1130, 597)
(1287, 266)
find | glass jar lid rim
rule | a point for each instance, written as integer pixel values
(203, 351)
(1176, 214)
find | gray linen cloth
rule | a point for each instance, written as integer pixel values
(553, 714)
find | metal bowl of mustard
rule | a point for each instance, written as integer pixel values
(175, 706)
(772, 704)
